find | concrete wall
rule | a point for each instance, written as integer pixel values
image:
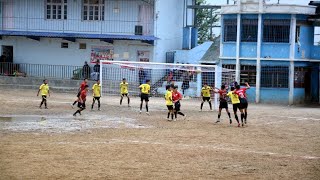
(30, 15)
(49, 51)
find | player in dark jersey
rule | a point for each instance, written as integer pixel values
(243, 106)
(223, 102)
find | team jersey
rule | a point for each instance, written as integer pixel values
(83, 95)
(82, 86)
(96, 88)
(168, 97)
(124, 88)
(44, 88)
(241, 93)
(145, 88)
(206, 91)
(223, 95)
(234, 97)
(176, 96)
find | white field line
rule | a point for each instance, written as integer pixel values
(216, 147)
(296, 118)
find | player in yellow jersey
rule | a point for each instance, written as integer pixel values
(206, 95)
(235, 102)
(145, 91)
(44, 89)
(96, 89)
(124, 91)
(169, 102)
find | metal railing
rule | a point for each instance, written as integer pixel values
(42, 71)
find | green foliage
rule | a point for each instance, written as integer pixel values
(205, 19)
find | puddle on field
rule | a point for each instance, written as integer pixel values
(64, 124)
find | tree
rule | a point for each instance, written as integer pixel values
(205, 19)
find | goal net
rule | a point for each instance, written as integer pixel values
(188, 77)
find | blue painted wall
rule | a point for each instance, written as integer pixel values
(315, 54)
(275, 50)
(229, 49)
(248, 50)
(306, 43)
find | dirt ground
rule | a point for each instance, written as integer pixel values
(279, 142)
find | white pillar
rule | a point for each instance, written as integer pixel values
(217, 80)
(292, 50)
(100, 77)
(199, 82)
(258, 70)
(238, 47)
(319, 84)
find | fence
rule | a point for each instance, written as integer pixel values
(41, 70)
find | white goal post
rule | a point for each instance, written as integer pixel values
(188, 77)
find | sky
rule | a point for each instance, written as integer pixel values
(300, 2)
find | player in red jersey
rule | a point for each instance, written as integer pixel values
(82, 100)
(81, 88)
(223, 102)
(243, 106)
(177, 97)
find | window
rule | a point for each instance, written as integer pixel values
(301, 75)
(276, 30)
(230, 30)
(249, 30)
(93, 10)
(274, 76)
(57, 9)
(82, 46)
(64, 45)
(247, 73)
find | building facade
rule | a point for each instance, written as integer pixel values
(271, 46)
(69, 32)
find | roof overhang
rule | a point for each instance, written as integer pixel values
(253, 8)
(73, 36)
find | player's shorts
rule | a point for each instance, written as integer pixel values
(177, 106)
(144, 97)
(170, 107)
(96, 98)
(235, 107)
(223, 105)
(44, 97)
(206, 99)
(82, 105)
(124, 94)
(243, 103)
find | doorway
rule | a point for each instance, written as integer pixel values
(7, 54)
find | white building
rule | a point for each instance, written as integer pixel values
(69, 32)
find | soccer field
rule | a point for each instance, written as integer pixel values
(279, 142)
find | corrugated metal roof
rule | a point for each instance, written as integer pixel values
(78, 35)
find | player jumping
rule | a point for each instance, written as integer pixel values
(82, 100)
(96, 88)
(206, 95)
(81, 88)
(44, 88)
(235, 103)
(176, 97)
(145, 91)
(241, 92)
(169, 103)
(124, 91)
(223, 102)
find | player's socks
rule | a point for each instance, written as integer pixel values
(210, 105)
(242, 116)
(99, 104)
(245, 117)
(75, 102)
(219, 115)
(175, 115)
(141, 106)
(237, 119)
(181, 113)
(147, 108)
(229, 115)
(172, 116)
(201, 106)
(128, 101)
(168, 115)
(121, 101)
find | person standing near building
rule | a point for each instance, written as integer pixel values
(185, 82)
(235, 103)
(86, 70)
(177, 97)
(124, 86)
(243, 106)
(81, 88)
(82, 100)
(206, 95)
(223, 102)
(169, 103)
(96, 89)
(96, 71)
(44, 89)
(145, 91)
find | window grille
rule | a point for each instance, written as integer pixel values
(230, 30)
(276, 30)
(247, 73)
(274, 76)
(57, 9)
(249, 30)
(93, 10)
(300, 76)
